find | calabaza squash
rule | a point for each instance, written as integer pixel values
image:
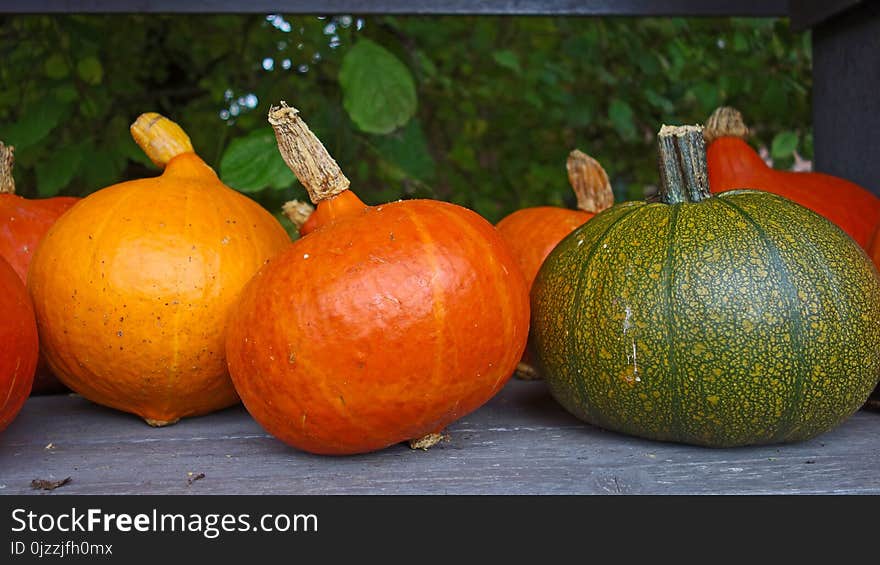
(720, 320)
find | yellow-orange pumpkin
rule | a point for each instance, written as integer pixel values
(133, 286)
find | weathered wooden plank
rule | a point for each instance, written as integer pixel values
(521, 442)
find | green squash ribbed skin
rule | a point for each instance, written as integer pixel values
(742, 319)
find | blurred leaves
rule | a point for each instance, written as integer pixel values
(378, 90)
(38, 119)
(508, 60)
(55, 175)
(481, 111)
(621, 115)
(252, 163)
(783, 145)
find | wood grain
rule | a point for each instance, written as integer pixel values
(519, 443)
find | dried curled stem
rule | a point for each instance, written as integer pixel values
(306, 155)
(297, 212)
(428, 441)
(7, 161)
(590, 182)
(725, 122)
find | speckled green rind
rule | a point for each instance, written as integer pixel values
(741, 319)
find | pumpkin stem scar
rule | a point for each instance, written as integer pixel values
(7, 161)
(428, 441)
(684, 175)
(306, 155)
(590, 182)
(725, 122)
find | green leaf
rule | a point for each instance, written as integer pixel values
(426, 64)
(378, 91)
(36, 122)
(90, 70)
(66, 92)
(252, 163)
(103, 168)
(621, 115)
(56, 67)
(508, 60)
(57, 172)
(784, 144)
(707, 95)
(775, 99)
(408, 150)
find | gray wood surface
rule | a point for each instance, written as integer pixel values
(521, 442)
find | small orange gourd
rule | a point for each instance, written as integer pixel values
(382, 324)
(132, 288)
(532, 233)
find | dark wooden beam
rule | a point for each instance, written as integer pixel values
(805, 14)
(846, 106)
(459, 7)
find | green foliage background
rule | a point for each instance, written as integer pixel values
(479, 111)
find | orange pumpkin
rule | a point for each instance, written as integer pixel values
(133, 287)
(532, 233)
(23, 223)
(734, 164)
(18, 336)
(384, 324)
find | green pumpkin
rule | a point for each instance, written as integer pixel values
(720, 320)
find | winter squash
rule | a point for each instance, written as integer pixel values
(18, 334)
(532, 233)
(23, 222)
(734, 164)
(383, 324)
(133, 286)
(719, 320)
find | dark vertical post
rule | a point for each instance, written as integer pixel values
(846, 95)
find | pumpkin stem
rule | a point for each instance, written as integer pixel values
(590, 182)
(160, 138)
(297, 212)
(526, 372)
(725, 122)
(426, 442)
(7, 160)
(684, 176)
(306, 155)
